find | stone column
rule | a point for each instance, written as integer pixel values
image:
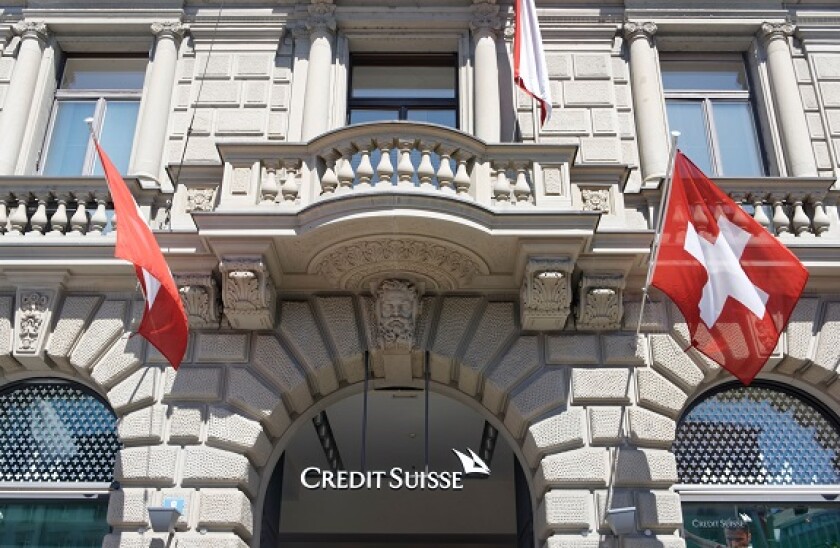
(15, 116)
(300, 32)
(796, 140)
(316, 107)
(157, 101)
(648, 101)
(485, 28)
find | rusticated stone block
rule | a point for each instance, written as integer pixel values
(146, 465)
(600, 386)
(298, 324)
(620, 498)
(593, 94)
(573, 350)
(226, 510)
(272, 360)
(137, 390)
(572, 541)
(592, 66)
(6, 361)
(143, 426)
(561, 432)
(656, 393)
(123, 358)
(221, 347)
(496, 326)
(127, 507)
(827, 356)
(624, 349)
(673, 362)
(605, 425)
(521, 359)
(587, 467)
(564, 510)
(654, 319)
(229, 430)
(339, 317)
(125, 539)
(455, 317)
(75, 312)
(211, 540)
(656, 542)
(192, 383)
(106, 326)
(645, 467)
(658, 510)
(649, 429)
(185, 425)
(542, 393)
(186, 495)
(251, 395)
(207, 466)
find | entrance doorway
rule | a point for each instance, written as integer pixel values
(412, 494)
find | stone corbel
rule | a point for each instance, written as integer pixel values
(200, 295)
(34, 309)
(546, 293)
(600, 302)
(247, 292)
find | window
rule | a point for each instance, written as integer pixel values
(404, 87)
(105, 89)
(709, 102)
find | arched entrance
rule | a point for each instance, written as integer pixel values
(402, 487)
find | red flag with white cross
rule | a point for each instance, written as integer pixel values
(734, 282)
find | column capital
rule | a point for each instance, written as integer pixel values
(773, 31)
(321, 17)
(640, 30)
(172, 28)
(33, 29)
(486, 17)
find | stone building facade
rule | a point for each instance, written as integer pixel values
(504, 258)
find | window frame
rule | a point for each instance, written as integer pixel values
(707, 97)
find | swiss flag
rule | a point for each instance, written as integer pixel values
(529, 69)
(164, 322)
(734, 282)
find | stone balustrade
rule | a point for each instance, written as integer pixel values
(56, 207)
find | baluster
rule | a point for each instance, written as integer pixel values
(426, 171)
(405, 169)
(4, 216)
(821, 220)
(801, 222)
(384, 169)
(445, 175)
(291, 188)
(38, 221)
(19, 217)
(79, 221)
(269, 188)
(759, 214)
(329, 182)
(99, 218)
(58, 221)
(345, 176)
(780, 218)
(365, 170)
(462, 178)
(501, 188)
(521, 189)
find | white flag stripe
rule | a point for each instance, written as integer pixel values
(152, 287)
(529, 66)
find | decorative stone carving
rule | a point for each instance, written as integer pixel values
(175, 28)
(770, 31)
(397, 308)
(32, 312)
(485, 16)
(37, 29)
(600, 306)
(352, 266)
(200, 199)
(321, 18)
(200, 295)
(595, 199)
(546, 293)
(640, 30)
(247, 293)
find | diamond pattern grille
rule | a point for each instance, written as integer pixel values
(757, 436)
(55, 432)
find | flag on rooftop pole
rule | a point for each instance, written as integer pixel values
(734, 282)
(529, 70)
(164, 322)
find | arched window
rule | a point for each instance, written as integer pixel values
(58, 445)
(758, 466)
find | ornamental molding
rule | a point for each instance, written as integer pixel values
(396, 309)
(37, 29)
(600, 304)
(175, 28)
(200, 199)
(546, 293)
(640, 30)
(440, 265)
(200, 295)
(248, 293)
(595, 199)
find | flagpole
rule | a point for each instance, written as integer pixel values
(663, 205)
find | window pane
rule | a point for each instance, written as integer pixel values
(104, 74)
(687, 117)
(69, 139)
(403, 82)
(359, 116)
(441, 117)
(118, 133)
(48, 523)
(737, 139)
(704, 75)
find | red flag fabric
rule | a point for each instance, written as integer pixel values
(164, 322)
(529, 69)
(734, 282)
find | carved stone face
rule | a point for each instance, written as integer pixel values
(396, 312)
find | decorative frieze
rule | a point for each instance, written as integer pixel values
(200, 199)
(200, 295)
(247, 293)
(546, 293)
(397, 308)
(595, 199)
(600, 304)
